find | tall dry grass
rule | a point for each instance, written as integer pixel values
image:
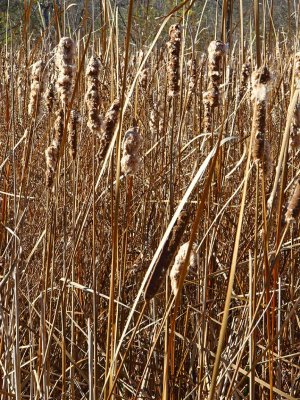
(119, 152)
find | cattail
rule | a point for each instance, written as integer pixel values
(107, 127)
(155, 119)
(130, 161)
(50, 95)
(36, 87)
(59, 126)
(207, 117)
(72, 132)
(211, 98)
(51, 154)
(293, 208)
(192, 67)
(295, 128)
(64, 61)
(173, 68)
(216, 51)
(267, 159)
(260, 80)
(166, 256)
(92, 97)
(246, 72)
(177, 269)
(144, 79)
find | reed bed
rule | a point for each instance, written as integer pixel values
(150, 201)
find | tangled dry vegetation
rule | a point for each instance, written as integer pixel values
(150, 202)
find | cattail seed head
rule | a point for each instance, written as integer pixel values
(50, 95)
(211, 98)
(258, 147)
(173, 68)
(72, 132)
(59, 126)
(245, 75)
(267, 159)
(177, 269)
(108, 126)
(64, 61)
(130, 164)
(260, 80)
(216, 50)
(260, 84)
(36, 87)
(132, 140)
(51, 154)
(92, 96)
(166, 256)
(130, 161)
(293, 209)
(295, 128)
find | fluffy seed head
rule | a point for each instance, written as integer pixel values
(166, 256)
(216, 50)
(177, 269)
(173, 68)
(132, 140)
(92, 96)
(130, 161)
(130, 164)
(108, 126)
(295, 128)
(72, 132)
(59, 126)
(36, 87)
(260, 83)
(51, 154)
(293, 209)
(64, 61)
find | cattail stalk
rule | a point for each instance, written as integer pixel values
(192, 67)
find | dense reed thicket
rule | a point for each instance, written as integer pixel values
(149, 205)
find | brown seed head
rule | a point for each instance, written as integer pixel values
(166, 256)
(293, 209)
(36, 87)
(177, 269)
(108, 126)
